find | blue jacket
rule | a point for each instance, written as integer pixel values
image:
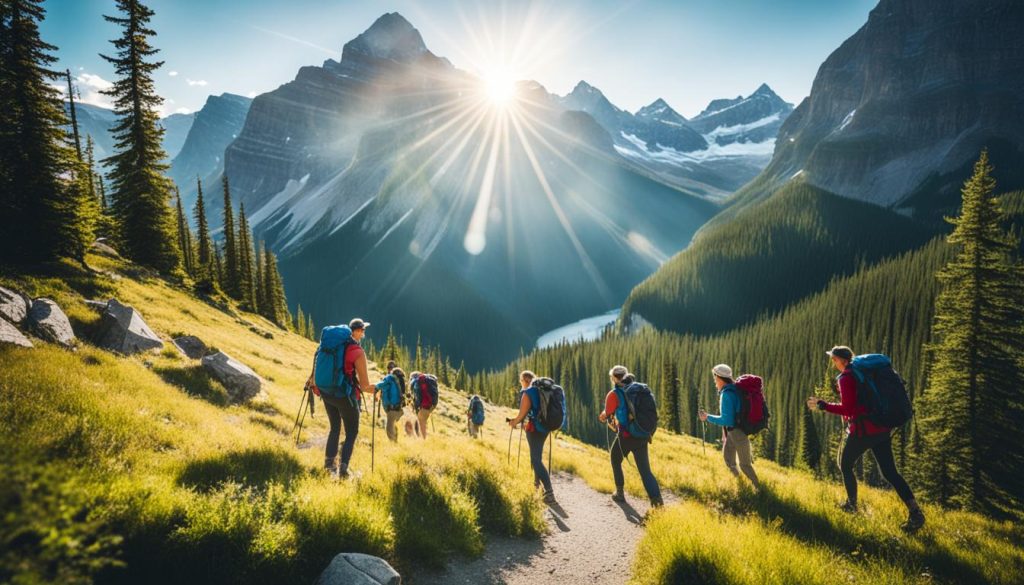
(728, 406)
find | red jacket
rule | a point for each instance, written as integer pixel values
(848, 408)
(352, 354)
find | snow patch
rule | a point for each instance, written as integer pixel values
(740, 128)
(714, 151)
(846, 121)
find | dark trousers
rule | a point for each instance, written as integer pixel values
(881, 445)
(341, 411)
(622, 447)
(536, 441)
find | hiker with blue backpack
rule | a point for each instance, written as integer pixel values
(392, 398)
(630, 410)
(425, 397)
(475, 415)
(873, 401)
(341, 377)
(741, 413)
(541, 412)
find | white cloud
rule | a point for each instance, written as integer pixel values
(172, 73)
(199, 82)
(88, 88)
(183, 111)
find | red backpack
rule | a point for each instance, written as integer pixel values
(753, 415)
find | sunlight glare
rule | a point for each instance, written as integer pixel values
(500, 87)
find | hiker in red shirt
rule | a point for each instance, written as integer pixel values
(343, 411)
(862, 435)
(615, 415)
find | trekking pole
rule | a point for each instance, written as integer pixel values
(508, 460)
(302, 404)
(519, 450)
(373, 433)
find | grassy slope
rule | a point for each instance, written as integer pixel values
(112, 460)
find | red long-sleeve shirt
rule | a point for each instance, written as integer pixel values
(611, 404)
(848, 408)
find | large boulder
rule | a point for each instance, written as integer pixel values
(9, 335)
(13, 306)
(191, 346)
(358, 569)
(238, 379)
(123, 330)
(49, 322)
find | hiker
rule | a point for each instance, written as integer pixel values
(475, 414)
(529, 416)
(863, 434)
(618, 414)
(341, 388)
(424, 399)
(735, 442)
(392, 398)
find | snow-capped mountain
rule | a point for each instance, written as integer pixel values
(216, 125)
(660, 111)
(393, 189)
(753, 119)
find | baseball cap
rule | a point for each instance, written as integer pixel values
(842, 352)
(358, 323)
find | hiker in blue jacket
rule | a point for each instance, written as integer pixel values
(392, 392)
(735, 443)
(536, 436)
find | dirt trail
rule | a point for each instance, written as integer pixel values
(591, 542)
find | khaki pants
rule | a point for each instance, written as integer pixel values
(393, 417)
(474, 430)
(736, 445)
(421, 418)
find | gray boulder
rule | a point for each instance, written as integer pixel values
(238, 379)
(9, 335)
(358, 569)
(102, 248)
(13, 306)
(123, 330)
(191, 346)
(49, 322)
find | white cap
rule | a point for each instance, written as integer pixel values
(722, 371)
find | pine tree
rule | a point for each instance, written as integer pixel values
(275, 307)
(232, 282)
(218, 265)
(672, 399)
(205, 267)
(313, 334)
(80, 211)
(258, 283)
(693, 402)
(810, 446)
(419, 362)
(973, 406)
(461, 381)
(246, 272)
(90, 165)
(76, 137)
(300, 322)
(39, 215)
(140, 192)
(184, 237)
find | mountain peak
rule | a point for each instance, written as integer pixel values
(584, 88)
(390, 37)
(764, 90)
(660, 110)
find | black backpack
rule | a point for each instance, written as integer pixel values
(550, 413)
(881, 390)
(476, 409)
(643, 411)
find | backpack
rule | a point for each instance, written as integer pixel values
(881, 390)
(476, 410)
(329, 365)
(426, 388)
(391, 397)
(548, 410)
(638, 411)
(753, 415)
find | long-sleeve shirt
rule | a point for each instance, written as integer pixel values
(848, 408)
(611, 404)
(728, 406)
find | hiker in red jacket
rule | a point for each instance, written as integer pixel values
(862, 435)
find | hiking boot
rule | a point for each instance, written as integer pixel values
(549, 498)
(619, 497)
(848, 507)
(657, 503)
(343, 471)
(914, 522)
(330, 467)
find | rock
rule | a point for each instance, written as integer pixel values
(98, 306)
(13, 306)
(102, 248)
(358, 569)
(240, 381)
(49, 322)
(191, 346)
(9, 335)
(123, 330)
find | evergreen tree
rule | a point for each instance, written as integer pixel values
(232, 281)
(973, 407)
(90, 165)
(218, 265)
(461, 379)
(76, 138)
(80, 211)
(40, 188)
(246, 272)
(276, 303)
(672, 399)
(300, 322)
(184, 237)
(810, 447)
(313, 333)
(419, 361)
(141, 193)
(204, 244)
(258, 284)
(693, 401)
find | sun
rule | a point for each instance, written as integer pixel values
(499, 86)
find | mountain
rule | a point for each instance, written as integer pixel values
(752, 119)
(392, 188)
(98, 122)
(660, 111)
(897, 114)
(216, 124)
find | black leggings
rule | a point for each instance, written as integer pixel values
(536, 440)
(340, 410)
(622, 447)
(881, 445)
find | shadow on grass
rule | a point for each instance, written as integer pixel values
(253, 468)
(195, 382)
(424, 507)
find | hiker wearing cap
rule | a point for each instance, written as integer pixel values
(735, 442)
(424, 399)
(615, 414)
(392, 397)
(863, 435)
(344, 411)
(535, 435)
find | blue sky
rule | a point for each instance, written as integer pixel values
(685, 51)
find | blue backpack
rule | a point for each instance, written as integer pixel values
(328, 369)
(637, 412)
(391, 395)
(881, 390)
(476, 410)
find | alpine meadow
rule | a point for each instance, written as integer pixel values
(511, 292)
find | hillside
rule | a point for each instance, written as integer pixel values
(136, 469)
